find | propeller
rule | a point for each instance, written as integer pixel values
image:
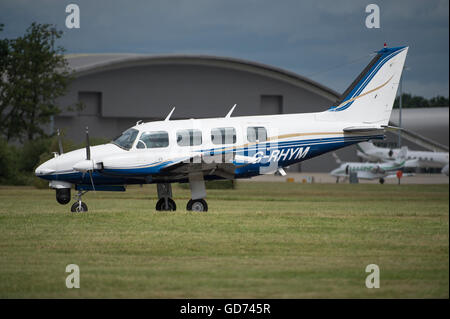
(88, 165)
(61, 151)
(88, 147)
(88, 156)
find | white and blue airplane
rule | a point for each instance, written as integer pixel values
(380, 171)
(415, 159)
(196, 150)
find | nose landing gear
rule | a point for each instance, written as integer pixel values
(79, 206)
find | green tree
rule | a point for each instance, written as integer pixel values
(4, 52)
(439, 101)
(36, 73)
(410, 101)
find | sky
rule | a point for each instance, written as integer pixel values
(325, 40)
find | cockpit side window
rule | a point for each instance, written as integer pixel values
(127, 139)
(155, 139)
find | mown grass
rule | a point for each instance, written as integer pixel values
(261, 240)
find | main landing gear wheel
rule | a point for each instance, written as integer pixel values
(162, 206)
(197, 205)
(79, 207)
(381, 180)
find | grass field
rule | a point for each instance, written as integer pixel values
(261, 240)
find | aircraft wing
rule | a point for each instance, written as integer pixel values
(412, 163)
(222, 164)
(366, 175)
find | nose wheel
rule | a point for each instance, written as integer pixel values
(79, 206)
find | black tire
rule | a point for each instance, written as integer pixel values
(381, 180)
(160, 205)
(76, 208)
(197, 205)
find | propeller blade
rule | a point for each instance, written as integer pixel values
(88, 147)
(92, 181)
(61, 151)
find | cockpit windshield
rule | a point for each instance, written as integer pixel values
(127, 138)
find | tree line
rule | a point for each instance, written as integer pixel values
(411, 101)
(33, 74)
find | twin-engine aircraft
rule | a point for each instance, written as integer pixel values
(414, 159)
(196, 150)
(370, 171)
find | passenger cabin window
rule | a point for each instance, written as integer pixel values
(189, 137)
(256, 134)
(154, 139)
(223, 135)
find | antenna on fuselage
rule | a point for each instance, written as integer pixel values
(231, 111)
(170, 114)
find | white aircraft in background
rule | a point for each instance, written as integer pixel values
(371, 171)
(196, 150)
(370, 152)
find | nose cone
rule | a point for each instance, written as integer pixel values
(45, 168)
(65, 163)
(336, 172)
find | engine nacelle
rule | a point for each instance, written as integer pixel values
(87, 165)
(63, 195)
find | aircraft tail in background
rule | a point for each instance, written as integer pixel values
(401, 158)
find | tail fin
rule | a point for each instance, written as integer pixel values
(370, 98)
(401, 158)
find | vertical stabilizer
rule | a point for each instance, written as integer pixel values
(370, 98)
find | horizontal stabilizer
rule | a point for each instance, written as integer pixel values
(363, 129)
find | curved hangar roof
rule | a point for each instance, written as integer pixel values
(84, 64)
(199, 86)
